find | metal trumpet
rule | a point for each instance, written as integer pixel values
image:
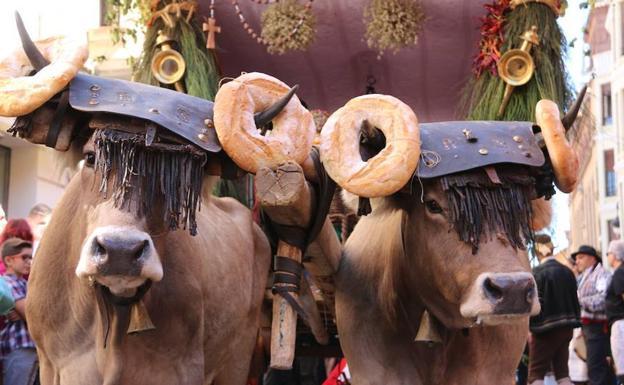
(168, 65)
(516, 66)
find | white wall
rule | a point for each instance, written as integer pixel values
(44, 18)
(34, 173)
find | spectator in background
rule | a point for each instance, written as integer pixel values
(15, 228)
(18, 349)
(591, 293)
(38, 219)
(3, 220)
(615, 306)
(577, 351)
(551, 330)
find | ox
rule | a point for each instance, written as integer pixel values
(434, 286)
(113, 253)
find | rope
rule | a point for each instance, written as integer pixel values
(174, 9)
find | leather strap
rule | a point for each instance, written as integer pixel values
(287, 265)
(57, 119)
(284, 291)
(286, 280)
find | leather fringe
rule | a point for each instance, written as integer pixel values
(477, 206)
(160, 174)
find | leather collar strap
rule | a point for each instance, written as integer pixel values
(57, 119)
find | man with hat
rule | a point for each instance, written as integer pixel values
(591, 293)
(17, 348)
(551, 330)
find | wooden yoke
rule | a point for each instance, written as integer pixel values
(288, 200)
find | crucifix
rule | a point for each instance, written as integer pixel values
(211, 27)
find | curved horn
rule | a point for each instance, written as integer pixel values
(21, 94)
(237, 128)
(264, 117)
(562, 156)
(385, 172)
(570, 117)
(34, 55)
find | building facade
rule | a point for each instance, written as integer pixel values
(596, 205)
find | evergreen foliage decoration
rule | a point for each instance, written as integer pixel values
(393, 24)
(484, 92)
(287, 26)
(202, 74)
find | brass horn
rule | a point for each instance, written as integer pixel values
(168, 65)
(516, 66)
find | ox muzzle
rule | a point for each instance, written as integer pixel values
(496, 298)
(122, 258)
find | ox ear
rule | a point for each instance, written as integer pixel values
(542, 214)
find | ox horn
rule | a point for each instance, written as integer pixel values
(385, 172)
(35, 56)
(264, 117)
(21, 94)
(562, 156)
(570, 117)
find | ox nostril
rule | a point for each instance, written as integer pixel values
(529, 294)
(120, 247)
(492, 290)
(141, 249)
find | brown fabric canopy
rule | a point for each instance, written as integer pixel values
(334, 69)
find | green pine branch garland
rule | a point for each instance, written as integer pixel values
(483, 95)
(202, 74)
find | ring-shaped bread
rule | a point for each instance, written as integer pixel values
(235, 105)
(562, 156)
(389, 170)
(21, 94)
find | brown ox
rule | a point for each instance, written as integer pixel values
(434, 286)
(204, 302)
(385, 285)
(107, 244)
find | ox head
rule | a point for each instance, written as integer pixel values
(138, 180)
(453, 230)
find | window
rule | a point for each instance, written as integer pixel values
(607, 116)
(610, 180)
(5, 166)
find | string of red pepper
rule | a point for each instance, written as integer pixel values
(491, 38)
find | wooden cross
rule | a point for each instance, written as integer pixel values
(211, 27)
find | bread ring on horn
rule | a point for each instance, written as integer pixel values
(21, 94)
(389, 170)
(235, 105)
(562, 156)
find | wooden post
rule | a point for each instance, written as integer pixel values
(316, 322)
(287, 199)
(284, 325)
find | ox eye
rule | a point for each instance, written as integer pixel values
(433, 207)
(89, 159)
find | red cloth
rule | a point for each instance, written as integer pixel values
(339, 374)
